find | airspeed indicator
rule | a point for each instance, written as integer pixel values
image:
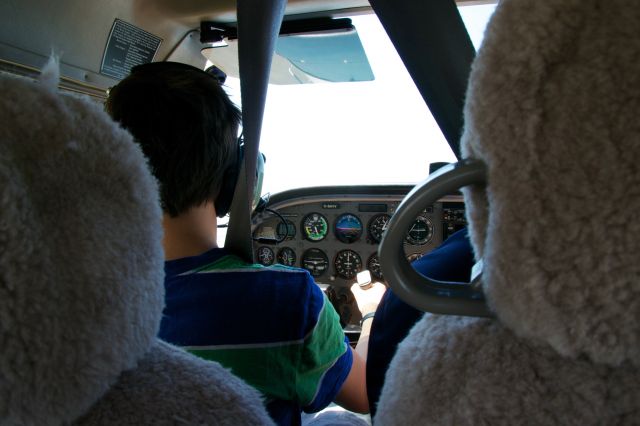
(314, 227)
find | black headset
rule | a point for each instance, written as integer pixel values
(230, 179)
(231, 173)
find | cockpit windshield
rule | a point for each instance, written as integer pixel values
(355, 133)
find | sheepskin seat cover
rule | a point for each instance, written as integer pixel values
(553, 110)
(81, 277)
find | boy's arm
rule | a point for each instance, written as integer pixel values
(353, 393)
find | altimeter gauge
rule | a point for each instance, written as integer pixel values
(347, 264)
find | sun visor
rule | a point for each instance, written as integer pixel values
(307, 51)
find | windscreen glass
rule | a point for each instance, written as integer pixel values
(351, 133)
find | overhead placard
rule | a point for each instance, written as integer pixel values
(127, 47)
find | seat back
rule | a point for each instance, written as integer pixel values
(552, 111)
(81, 277)
(80, 252)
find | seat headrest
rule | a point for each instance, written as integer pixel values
(81, 262)
(553, 109)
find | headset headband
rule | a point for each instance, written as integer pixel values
(212, 71)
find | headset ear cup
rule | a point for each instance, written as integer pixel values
(257, 191)
(229, 180)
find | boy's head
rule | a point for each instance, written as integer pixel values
(186, 125)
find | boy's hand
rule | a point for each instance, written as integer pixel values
(369, 299)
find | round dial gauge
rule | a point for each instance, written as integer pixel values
(286, 256)
(347, 264)
(287, 230)
(265, 256)
(315, 261)
(314, 226)
(373, 265)
(348, 228)
(377, 226)
(420, 232)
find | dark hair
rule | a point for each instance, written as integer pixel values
(186, 125)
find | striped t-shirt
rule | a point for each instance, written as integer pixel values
(272, 326)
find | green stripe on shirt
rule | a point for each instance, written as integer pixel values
(268, 369)
(321, 350)
(292, 370)
(227, 262)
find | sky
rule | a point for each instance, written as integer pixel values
(376, 132)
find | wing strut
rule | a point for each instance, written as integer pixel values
(258, 27)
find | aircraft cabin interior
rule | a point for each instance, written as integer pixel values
(377, 130)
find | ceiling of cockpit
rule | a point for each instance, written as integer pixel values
(78, 29)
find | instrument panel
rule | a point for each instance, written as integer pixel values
(334, 232)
